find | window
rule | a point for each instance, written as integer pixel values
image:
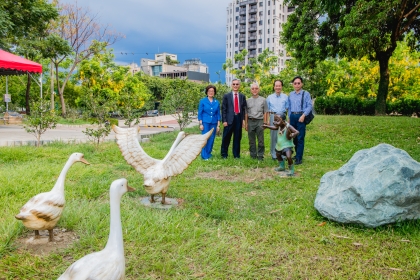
(236, 26)
(236, 51)
(260, 22)
(268, 12)
(236, 44)
(261, 4)
(230, 36)
(268, 31)
(236, 18)
(268, 40)
(268, 3)
(260, 31)
(259, 41)
(259, 50)
(273, 31)
(268, 21)
(236, 35)
(260, 13)
(237, 9)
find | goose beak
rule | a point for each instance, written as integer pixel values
(130, 189)
(84, 161)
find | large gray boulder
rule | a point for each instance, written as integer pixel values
(377, 186)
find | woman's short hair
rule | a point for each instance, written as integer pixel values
(298, 77)
(277, 81)
(209, 87)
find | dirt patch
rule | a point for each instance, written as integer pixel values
(41, 246)
(236, 174)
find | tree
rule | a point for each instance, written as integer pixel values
(41, 119)
(354, 29)
(170, 61)
(23, 19)
(86, 37)
(23, 27)
(181, 100)
(255, 69)
(133, 100)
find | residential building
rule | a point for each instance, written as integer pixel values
(192, 69)
(255, 25)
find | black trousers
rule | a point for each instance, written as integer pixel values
(236, 129)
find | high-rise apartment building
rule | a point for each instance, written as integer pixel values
(255, 25)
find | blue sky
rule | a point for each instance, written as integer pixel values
(188, 28)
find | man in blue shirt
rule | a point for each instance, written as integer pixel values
(277, 104)
(300, 105)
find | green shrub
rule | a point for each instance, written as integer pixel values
(351, 105)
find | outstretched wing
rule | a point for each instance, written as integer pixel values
(131, 150)
(189, 148)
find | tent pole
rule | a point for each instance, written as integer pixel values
(7, 92)
(40, 81)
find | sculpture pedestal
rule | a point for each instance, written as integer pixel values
(170, 202)
(284, 174)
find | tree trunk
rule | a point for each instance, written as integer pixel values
(28, 88)
(52, 86)
(60, 93)
(380, 106)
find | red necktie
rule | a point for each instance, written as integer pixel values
(236, 104)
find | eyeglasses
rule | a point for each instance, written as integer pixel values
(296, 83)
(235, 84)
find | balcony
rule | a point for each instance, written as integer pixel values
(252, 37)
(252, 19)
(241, 46)
(253, 10)
(242, 12)
(242, 29)
(242, 38)
(252, 46)
(253, 27)
(252, 55)
(242, 21)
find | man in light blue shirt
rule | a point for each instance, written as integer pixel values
(277, 104)
(300, 105)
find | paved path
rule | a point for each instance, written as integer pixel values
(15, 135)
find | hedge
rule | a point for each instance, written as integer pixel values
(351, 105)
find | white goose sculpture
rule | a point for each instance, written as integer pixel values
(157, 173)
(43, 211)
(108, 264)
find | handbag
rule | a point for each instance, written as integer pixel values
(309, 117)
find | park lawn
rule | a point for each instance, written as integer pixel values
(238, 219)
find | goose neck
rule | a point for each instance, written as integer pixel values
(115, 239)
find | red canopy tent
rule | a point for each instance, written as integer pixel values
(11, 64)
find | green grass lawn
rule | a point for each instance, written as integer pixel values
(238, 219)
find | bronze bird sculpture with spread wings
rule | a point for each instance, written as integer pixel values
(157, 173)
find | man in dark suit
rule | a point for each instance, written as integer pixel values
(233, 118)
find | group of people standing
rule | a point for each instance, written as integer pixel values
(254, 114)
